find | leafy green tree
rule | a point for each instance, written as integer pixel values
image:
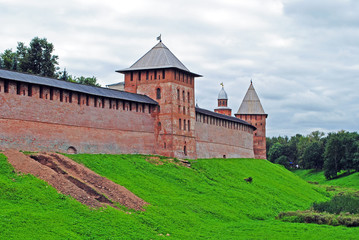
(283, 160)
(36, 59)
(7, 59)
(88, 81)
(40, 58)
(333, 154)
(313, 156)
(275, 152)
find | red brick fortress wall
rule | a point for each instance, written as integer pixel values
(218, 139)
(45, 123)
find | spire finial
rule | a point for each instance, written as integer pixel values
(159, 38)
(221, 84)
(251, 80)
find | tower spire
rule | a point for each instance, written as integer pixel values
(223, 102)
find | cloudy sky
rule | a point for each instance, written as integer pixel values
(303, 56)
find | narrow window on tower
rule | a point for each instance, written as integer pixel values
(6, 86)
(103, 102)
(78, 99)
(41, 92)
(163, 74)
(158, 93)
(61, 95)
(70, 97)
(95, 101)
(147, 73)
(175, 75)
(155, 74)
(116, 104)
(136, 107)
(178, 94)
(139, 76)
(131, 76)
(183, 96)
(184, 124)
(188, 97)
(189, 126)
(180, 124)
(29, 90)
(18, 85)
(51, 94)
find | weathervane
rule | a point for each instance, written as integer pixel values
(159, 38)
(221, 84)
(251, 80)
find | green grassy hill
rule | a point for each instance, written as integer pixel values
(208, 201)
(349, 181)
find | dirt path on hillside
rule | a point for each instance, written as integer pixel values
(71, 178)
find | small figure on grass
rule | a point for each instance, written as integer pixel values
(248, 180)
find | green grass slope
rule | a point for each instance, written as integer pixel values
(208, 201)
(349, 181)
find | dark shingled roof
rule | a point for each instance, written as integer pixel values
(158, 57)
(92, 90)
(223, 116)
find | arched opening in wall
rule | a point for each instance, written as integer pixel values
(224, 156)
(185, 150)
(71, 150)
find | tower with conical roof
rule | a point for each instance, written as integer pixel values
(223, 103)
(160, 75)
(251, 110)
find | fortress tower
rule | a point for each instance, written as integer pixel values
(160, 75)
(251, 110)
(223, 103)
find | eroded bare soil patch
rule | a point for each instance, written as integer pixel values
(71, 178)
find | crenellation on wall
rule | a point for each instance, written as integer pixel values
(165, 121)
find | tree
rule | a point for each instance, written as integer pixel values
(88, 81)
(40, 58)
(334, 155)
(313, 156)
(283, 160)
(7, 59)
(36, 59)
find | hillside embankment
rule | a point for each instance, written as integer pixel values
(71, 178)
(204, 199)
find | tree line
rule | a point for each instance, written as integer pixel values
(38, 58)
(333, 153)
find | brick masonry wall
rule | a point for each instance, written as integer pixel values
(214, 141)
(259, 138)
(176, 104)
(34, 123)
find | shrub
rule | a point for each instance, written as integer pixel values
(339, 203)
